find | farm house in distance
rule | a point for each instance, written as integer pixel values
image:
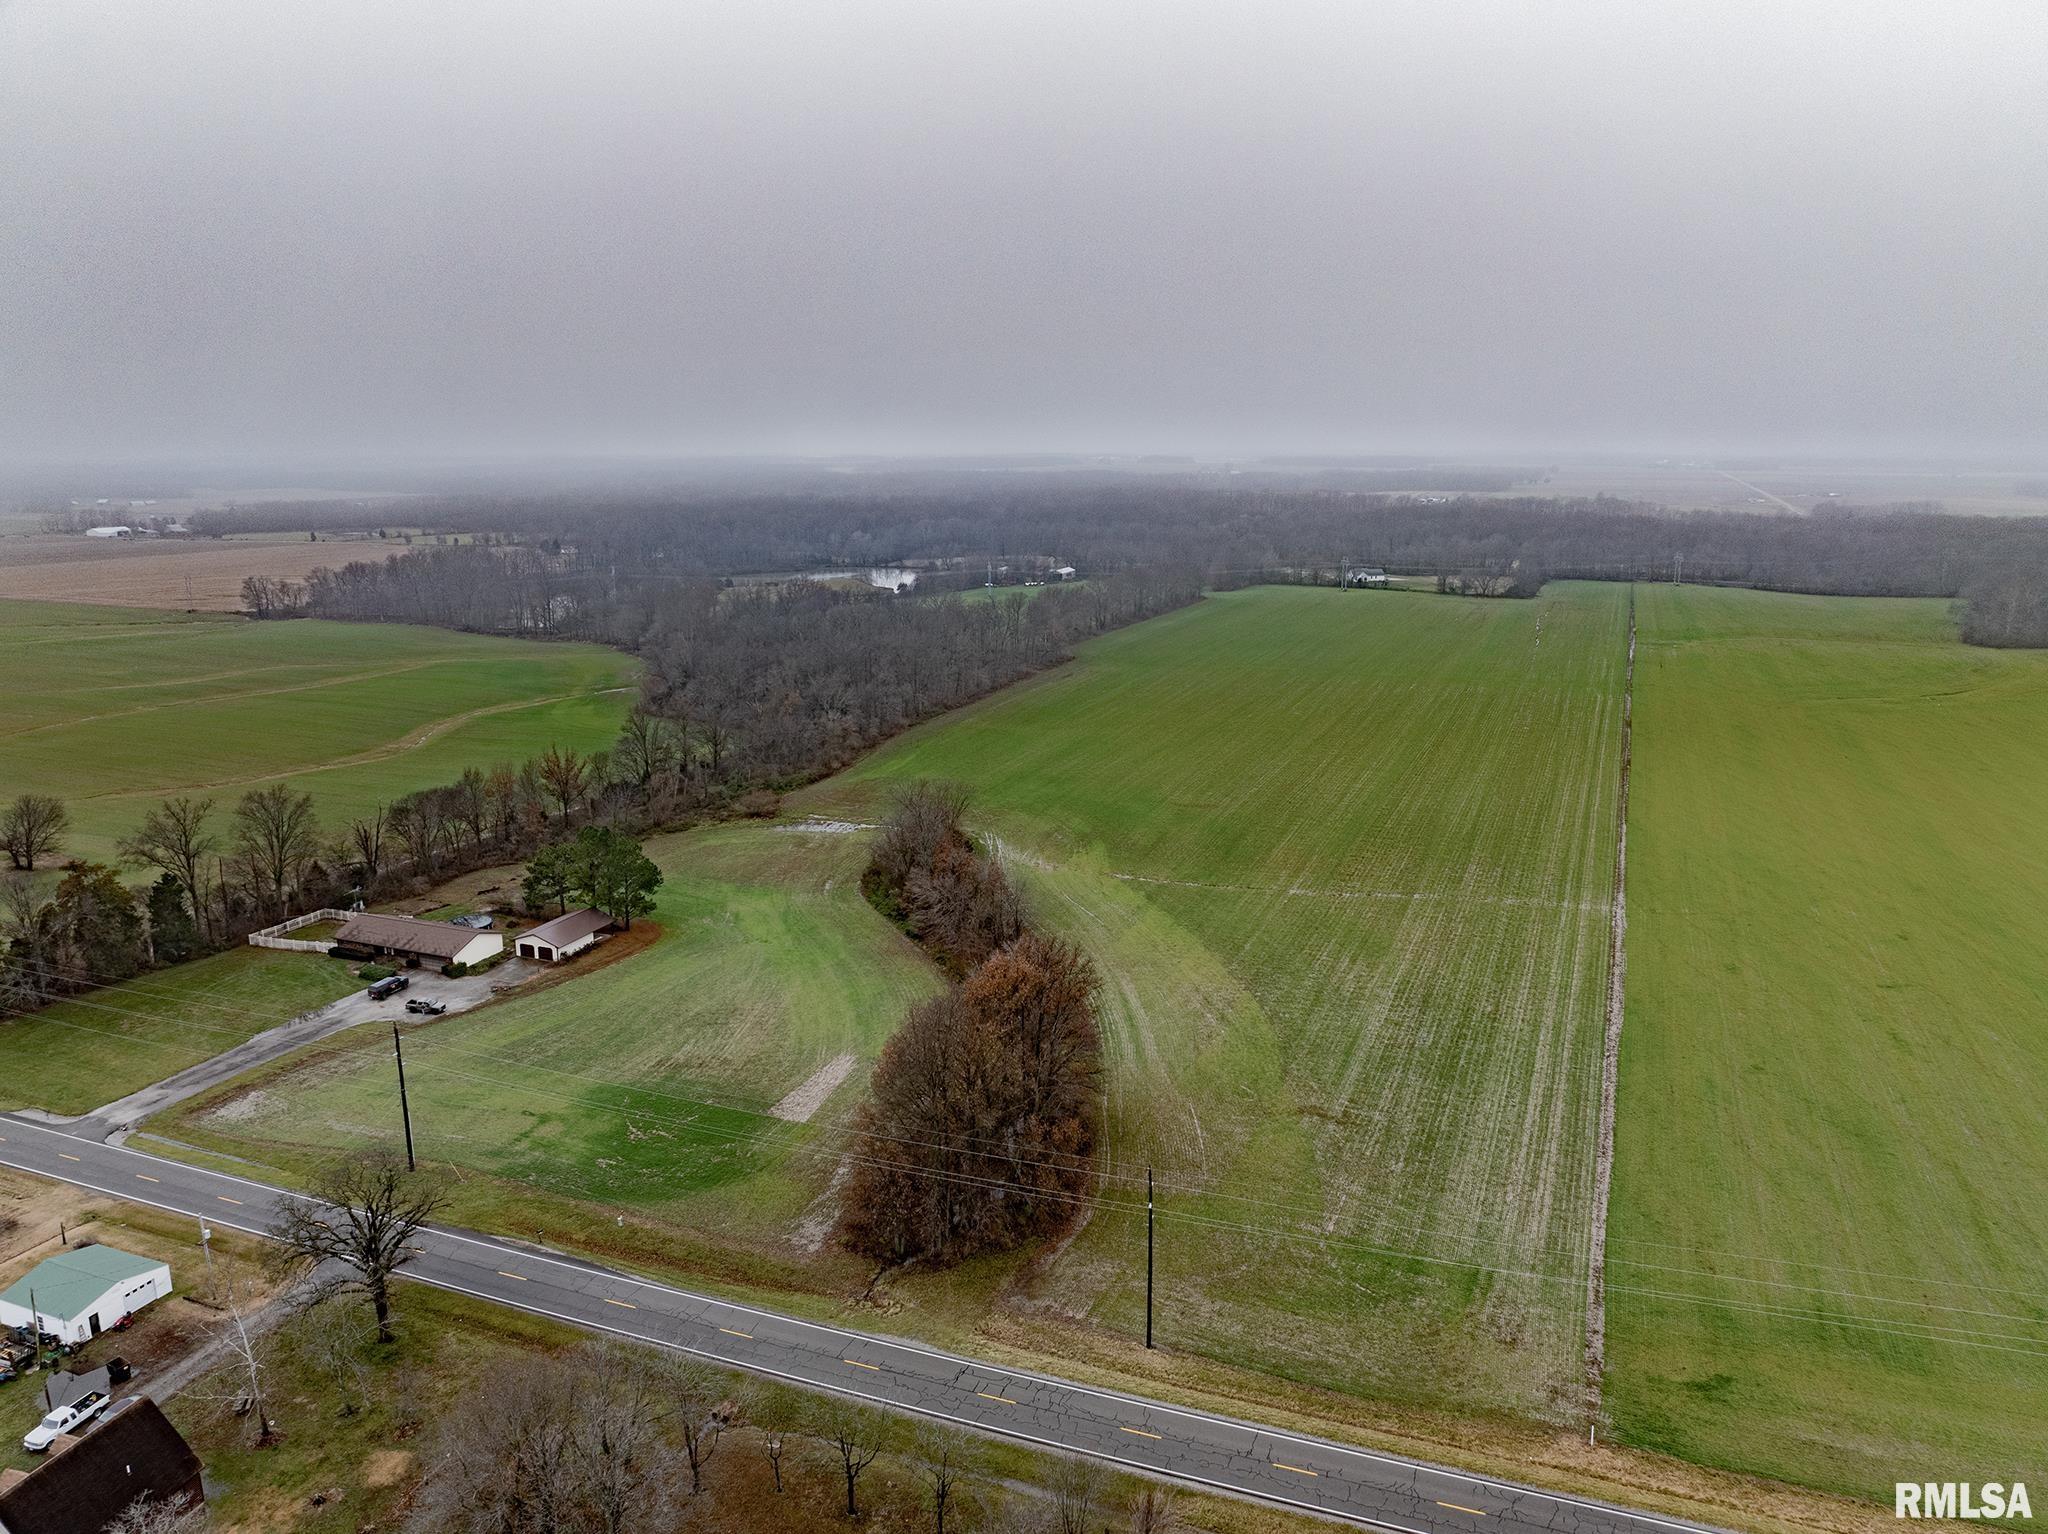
(1365, 575)
(374, 935)
(78, 1294)
(564, 937)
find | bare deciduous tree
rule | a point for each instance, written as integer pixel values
(174, 838)
(243, 1348)
(32, 827)
(702, 1409)
(857, 1435)
(646, 748)
(157, 1515)
(565, 776)
(420, 820)
(565, 1445)
(944, 1461)
(1155, 1510)
(366, 835)
(332, 1345)
(1076, 1486)
(363, 1216)
(277, 837)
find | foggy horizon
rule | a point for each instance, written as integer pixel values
(365, 234)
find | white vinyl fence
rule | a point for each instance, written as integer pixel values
(274, 937)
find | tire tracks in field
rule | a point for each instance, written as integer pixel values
(411, 741)
(1610, 1056)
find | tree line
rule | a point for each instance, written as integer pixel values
(224, 871)
(765, 685)
(979, 1130)
(596, 565)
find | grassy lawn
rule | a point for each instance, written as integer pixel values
(1834, 1093)
(646, 1083)
(82, 1053)
(113, 708)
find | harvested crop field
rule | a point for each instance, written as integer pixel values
(114, 708)
(1828, 1255)
(203, 574)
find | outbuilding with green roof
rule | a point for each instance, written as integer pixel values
(80, 1293)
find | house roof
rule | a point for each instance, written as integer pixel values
(67, 1284)
(570, 928)
(435, 938)
(63, 1387)
(134, 1452)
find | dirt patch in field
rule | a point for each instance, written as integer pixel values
(806, 1099)
(386, 1467)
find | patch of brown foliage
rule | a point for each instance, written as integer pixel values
(979, 1131)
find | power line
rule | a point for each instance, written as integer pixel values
(737, 1138)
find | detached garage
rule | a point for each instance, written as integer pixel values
(81, 1293)
(562, 938)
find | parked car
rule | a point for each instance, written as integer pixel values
(428, 1008)
(65, 1419)
(390, 985)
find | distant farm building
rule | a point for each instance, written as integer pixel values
(563, 938)
(78, 1294)
(88, 1482)
(1365, 575)
(116, 531)
(372, 935)
(1065, 572)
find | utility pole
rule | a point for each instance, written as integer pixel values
(404, 1107)
(1148, 1257)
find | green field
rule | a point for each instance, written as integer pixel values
(84, 1053)
(1833, 1139)
(114, 708)
(1343, 860)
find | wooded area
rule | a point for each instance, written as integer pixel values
(627, 568)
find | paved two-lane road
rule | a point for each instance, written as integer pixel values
(1198, 1448)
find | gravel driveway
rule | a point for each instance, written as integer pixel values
(115, 1120)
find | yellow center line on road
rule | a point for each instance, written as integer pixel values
(987, 1397)
(1459, 1507)
(876, 1368)
(147, 1178)
(731, 1333)
(67, 1155)
(622, 1304)
(1137, 1432)
(520, 1276)
(225, 1199)
(1295, 1468)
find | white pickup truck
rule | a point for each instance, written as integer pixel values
(64, 1419)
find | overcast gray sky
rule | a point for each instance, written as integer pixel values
(817, 225)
